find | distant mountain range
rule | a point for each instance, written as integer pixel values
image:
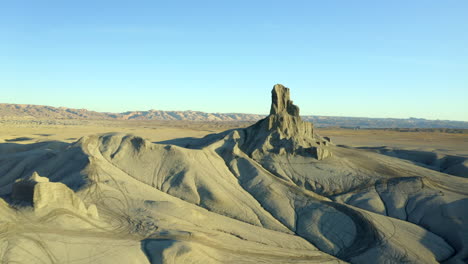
(22, 111)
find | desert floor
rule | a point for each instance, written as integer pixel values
(28, 131)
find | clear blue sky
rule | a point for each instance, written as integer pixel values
(345, 58)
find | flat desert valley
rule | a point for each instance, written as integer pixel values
(26, 132)
(274, 191)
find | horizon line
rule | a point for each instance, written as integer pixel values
(226, 113)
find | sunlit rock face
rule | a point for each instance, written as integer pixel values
(283, 131)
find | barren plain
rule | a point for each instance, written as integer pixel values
(33, 131)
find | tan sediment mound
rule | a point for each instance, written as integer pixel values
(46, 196)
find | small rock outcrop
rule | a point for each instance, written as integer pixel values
(45, 196)
(23, 189)
(283, 131)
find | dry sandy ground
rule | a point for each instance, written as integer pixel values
(446, 143)
(25, 132)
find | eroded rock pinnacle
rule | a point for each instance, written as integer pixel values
(284, 132)
(281, 103)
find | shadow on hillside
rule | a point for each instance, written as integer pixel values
(181, 142)
(196, 143)
(56, 160)
(154, 248)
(18, 139)
(452, 230)
(450, 164)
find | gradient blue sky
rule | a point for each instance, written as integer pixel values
(344, 58)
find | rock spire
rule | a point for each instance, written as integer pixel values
(284, 132)
(280, 101)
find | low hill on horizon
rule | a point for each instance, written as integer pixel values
(28, 111)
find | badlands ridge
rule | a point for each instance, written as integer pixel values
(274, 192)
